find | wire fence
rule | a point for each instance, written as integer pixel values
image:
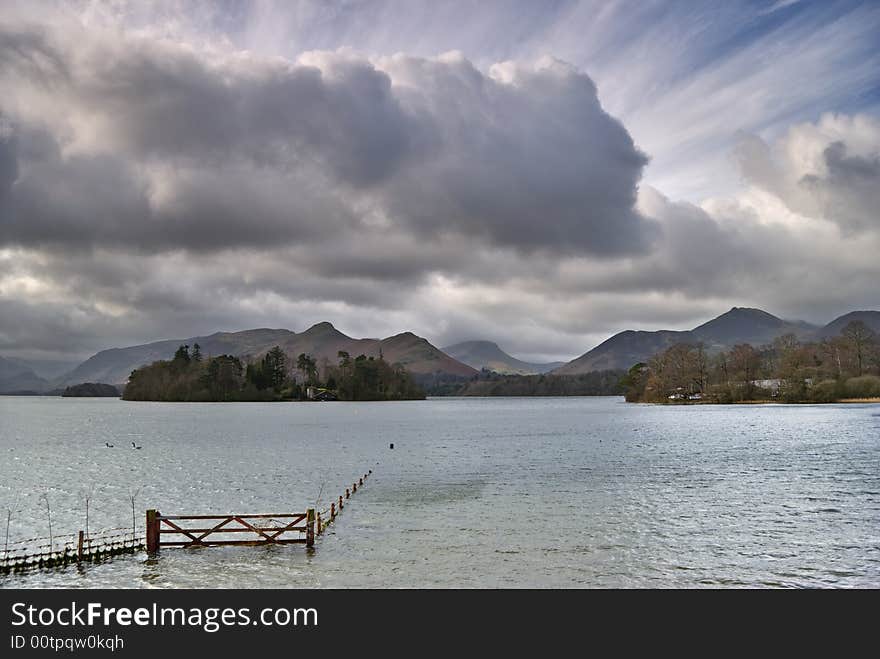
(63, 549)
(328, 515)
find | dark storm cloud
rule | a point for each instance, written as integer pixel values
(161, 146)
(542, 166)
(850, 192)
(8, 166)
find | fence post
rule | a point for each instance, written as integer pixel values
(340, 502)
(347, 493)
(310, 527)
(152, 531)
(79, 546)
(332, 511)
(318, 523)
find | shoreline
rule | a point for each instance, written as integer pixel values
(763, 401)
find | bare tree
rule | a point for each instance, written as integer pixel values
(860, 338)
(132, 496)
(830, 347)
(45, 497)
(87, 496)
(9, 512)
(6, 542)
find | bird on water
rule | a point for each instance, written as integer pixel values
(133, 445)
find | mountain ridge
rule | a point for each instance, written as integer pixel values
(17, 377)
(321, 341)
(738, 325)
(488, 355)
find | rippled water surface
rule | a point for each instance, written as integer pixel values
(563, 492)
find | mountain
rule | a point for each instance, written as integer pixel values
(16, 377)
(744, 325)
(623, 350)
(418, 356)
(486, 354)
(739, 325)
(48, 369)
(321, 341)
(870, 318)
(116, 364)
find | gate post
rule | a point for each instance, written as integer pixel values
(310, 527)
(152, 531)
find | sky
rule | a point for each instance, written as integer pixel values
(540, 174)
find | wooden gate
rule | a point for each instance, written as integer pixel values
(216, 530)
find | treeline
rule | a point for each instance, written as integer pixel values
(596, 383)
(191, 377)
(91, 390)
(788, 370)
(367, 378)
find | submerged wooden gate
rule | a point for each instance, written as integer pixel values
(261, 529)
(215, 530)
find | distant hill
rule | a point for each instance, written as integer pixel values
(48, 369)
(433, 368)
(321, 341)
(15, 377)
(116, 364)
(870, 318)
(744, 325)
(418, 356)
(487, 355)
(739, 325)
(623, 350)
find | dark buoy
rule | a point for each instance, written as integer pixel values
(391, 445)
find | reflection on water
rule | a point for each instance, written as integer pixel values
(577, 492)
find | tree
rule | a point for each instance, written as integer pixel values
(368, 378)
(182, 355)
(275, 367)
(305, 364)
(831, 349)
(344, 361)
(197, 353)
(224, 377)
(634, 382)
(744, 364)
(861, 339)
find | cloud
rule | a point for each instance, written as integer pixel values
(828, 170)
(157, 145)
(160, 183)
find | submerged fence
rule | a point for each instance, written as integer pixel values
(327, 516)
(243, 528)
(61, 550)
(175, 531)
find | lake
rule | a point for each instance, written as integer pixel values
(478, 492)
